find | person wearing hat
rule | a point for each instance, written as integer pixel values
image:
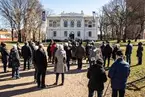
(97, 77)
(5, 56)
(14, 59)
(118, 73)
(139, 53)
(128, 52)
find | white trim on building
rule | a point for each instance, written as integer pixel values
(72, 25)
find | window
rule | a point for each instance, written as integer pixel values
(54, 24)
(90, 34)
(94, 25)
(78, 23)
(72, 23)
(54, 34)
(50, 25)
(65, 33)
(65, 23)
(50, 20)
(90, 24)
(78, 33)
(86, 25)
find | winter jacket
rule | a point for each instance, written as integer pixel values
(60, 66)
(107, 50)
(140, 51)
(128, 49)
(80, 52)
(5, 55)
(41, 60)
(97, 76)
(14, 58)
(26, 52)
(103, 49)
(119, 73)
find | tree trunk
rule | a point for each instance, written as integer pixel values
(12, 34)
(19, 36)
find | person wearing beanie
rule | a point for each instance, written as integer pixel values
(97, 77)
(14, 60)
(118, 73)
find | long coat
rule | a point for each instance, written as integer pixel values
(119, 73)
(14, 58)
(5, 55)
(60, 66)
(26, 52)
(108, 50)
(140, 51)
(80, 52)
(41, 60)
(97, 76)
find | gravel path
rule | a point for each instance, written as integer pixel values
(75, 84)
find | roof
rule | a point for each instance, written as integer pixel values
(4, 33)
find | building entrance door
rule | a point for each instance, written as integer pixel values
(72, 36)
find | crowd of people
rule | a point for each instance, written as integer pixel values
(63, 55)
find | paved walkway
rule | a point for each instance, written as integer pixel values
(75, 84)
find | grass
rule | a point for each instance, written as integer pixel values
(136, 81)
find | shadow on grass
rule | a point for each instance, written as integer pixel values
(134, 84)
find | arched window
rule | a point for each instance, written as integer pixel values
(72, 23)
(54, 24)
(78, 23)
(65, 23)
(89, 24)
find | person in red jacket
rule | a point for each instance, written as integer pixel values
(52, 49)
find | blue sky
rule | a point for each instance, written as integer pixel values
(87, 6)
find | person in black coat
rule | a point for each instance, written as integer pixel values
(41, 65)
(97, 77)
(27, 55)
(67, 48)
(5, 56)
(49, 52)
(14, 59)
(115, 49)
(128, 52)
(139, 53)
(107, 53)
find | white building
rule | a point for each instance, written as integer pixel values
(72, 26)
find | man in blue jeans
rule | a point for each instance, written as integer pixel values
(118, 74)
(128, 52)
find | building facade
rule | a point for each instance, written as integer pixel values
(72, 26)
